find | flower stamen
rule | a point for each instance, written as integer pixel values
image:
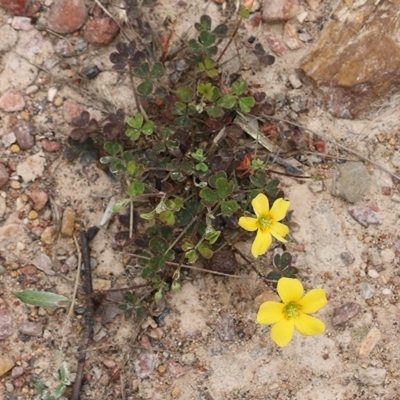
(264, 222)
(292, 310)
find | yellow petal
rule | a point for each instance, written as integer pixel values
(260, 204)
(250, 224)
(313, 301)
(282, 332)
(279, 209)
(261, 243)
(279, 231)
(309, 326)
(290, 290)
(270, 313)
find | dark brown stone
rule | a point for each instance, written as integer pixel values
(356, 63)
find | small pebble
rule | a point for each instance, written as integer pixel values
(366, 291)
(32, 214)
(9, 139)
(68, 222)
(373, 274)
(175, 392)
(15, 184)
(31, 329)
(51, 94)
(344, 313)
(31, 90)
(58, 102)
(15, 148)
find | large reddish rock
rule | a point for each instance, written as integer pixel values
(356, 62)
(12, 100)
(101, 30)
(67, 16)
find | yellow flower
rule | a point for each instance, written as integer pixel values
(292, 313)
(266, 223)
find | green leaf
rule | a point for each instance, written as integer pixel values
(181, 107)
(201, 167)
(148, 128)
(127, 156)
(158, 71)
(205, 250)
(136, 189)
(136, 122)
(120, 205)
(239, 87)
(145, 88)
(147, 273)
(116, 165)
(229, 207)
(212, 237)
(258, 179)
(198, 155)
(207, 38)
(143, 71)
(42, 299)
(112, 148)
(158, 244)
(183, 121)
(183, 217)
(246, 103)
(244, 12)
(214, 111)
(106, 160)
(211, 51)
(157, 263)
(220, 30)
(195, 207)
(185, 94)
(195, 46)
(272, 189)
(209, 197)
(192, 256)
(167, 217)
(131, 168)
(228, 101)
(187, 244)
(274, 276)
(205, 22)
(148, 216)
(130, 297)
(141, 311)
(224, 188)
(133, 134)
(212, 181)
(290, 272)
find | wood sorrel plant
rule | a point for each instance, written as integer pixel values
(178, 152)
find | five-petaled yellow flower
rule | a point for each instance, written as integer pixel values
(266, 223)
(292, 313)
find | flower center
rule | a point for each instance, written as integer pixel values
(292, 310)
(264, 222)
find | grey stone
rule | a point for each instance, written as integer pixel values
(347, 258)
(351, 183)
(279, 10)
(344, 313)
(372, 376)
(6, 324)
(317, 186)
(374, 256)
(23, 133)
(226, 328)
(31, 329)
(365, 216)
(43, 262)
(366, 291)
(188, 358)
(145, 365)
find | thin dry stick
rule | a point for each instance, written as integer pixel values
(192, 267)
(78, 274)
(88, 288)
(341, 146)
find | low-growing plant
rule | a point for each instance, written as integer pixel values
(178, 151)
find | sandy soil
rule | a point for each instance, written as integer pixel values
(209, 346)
